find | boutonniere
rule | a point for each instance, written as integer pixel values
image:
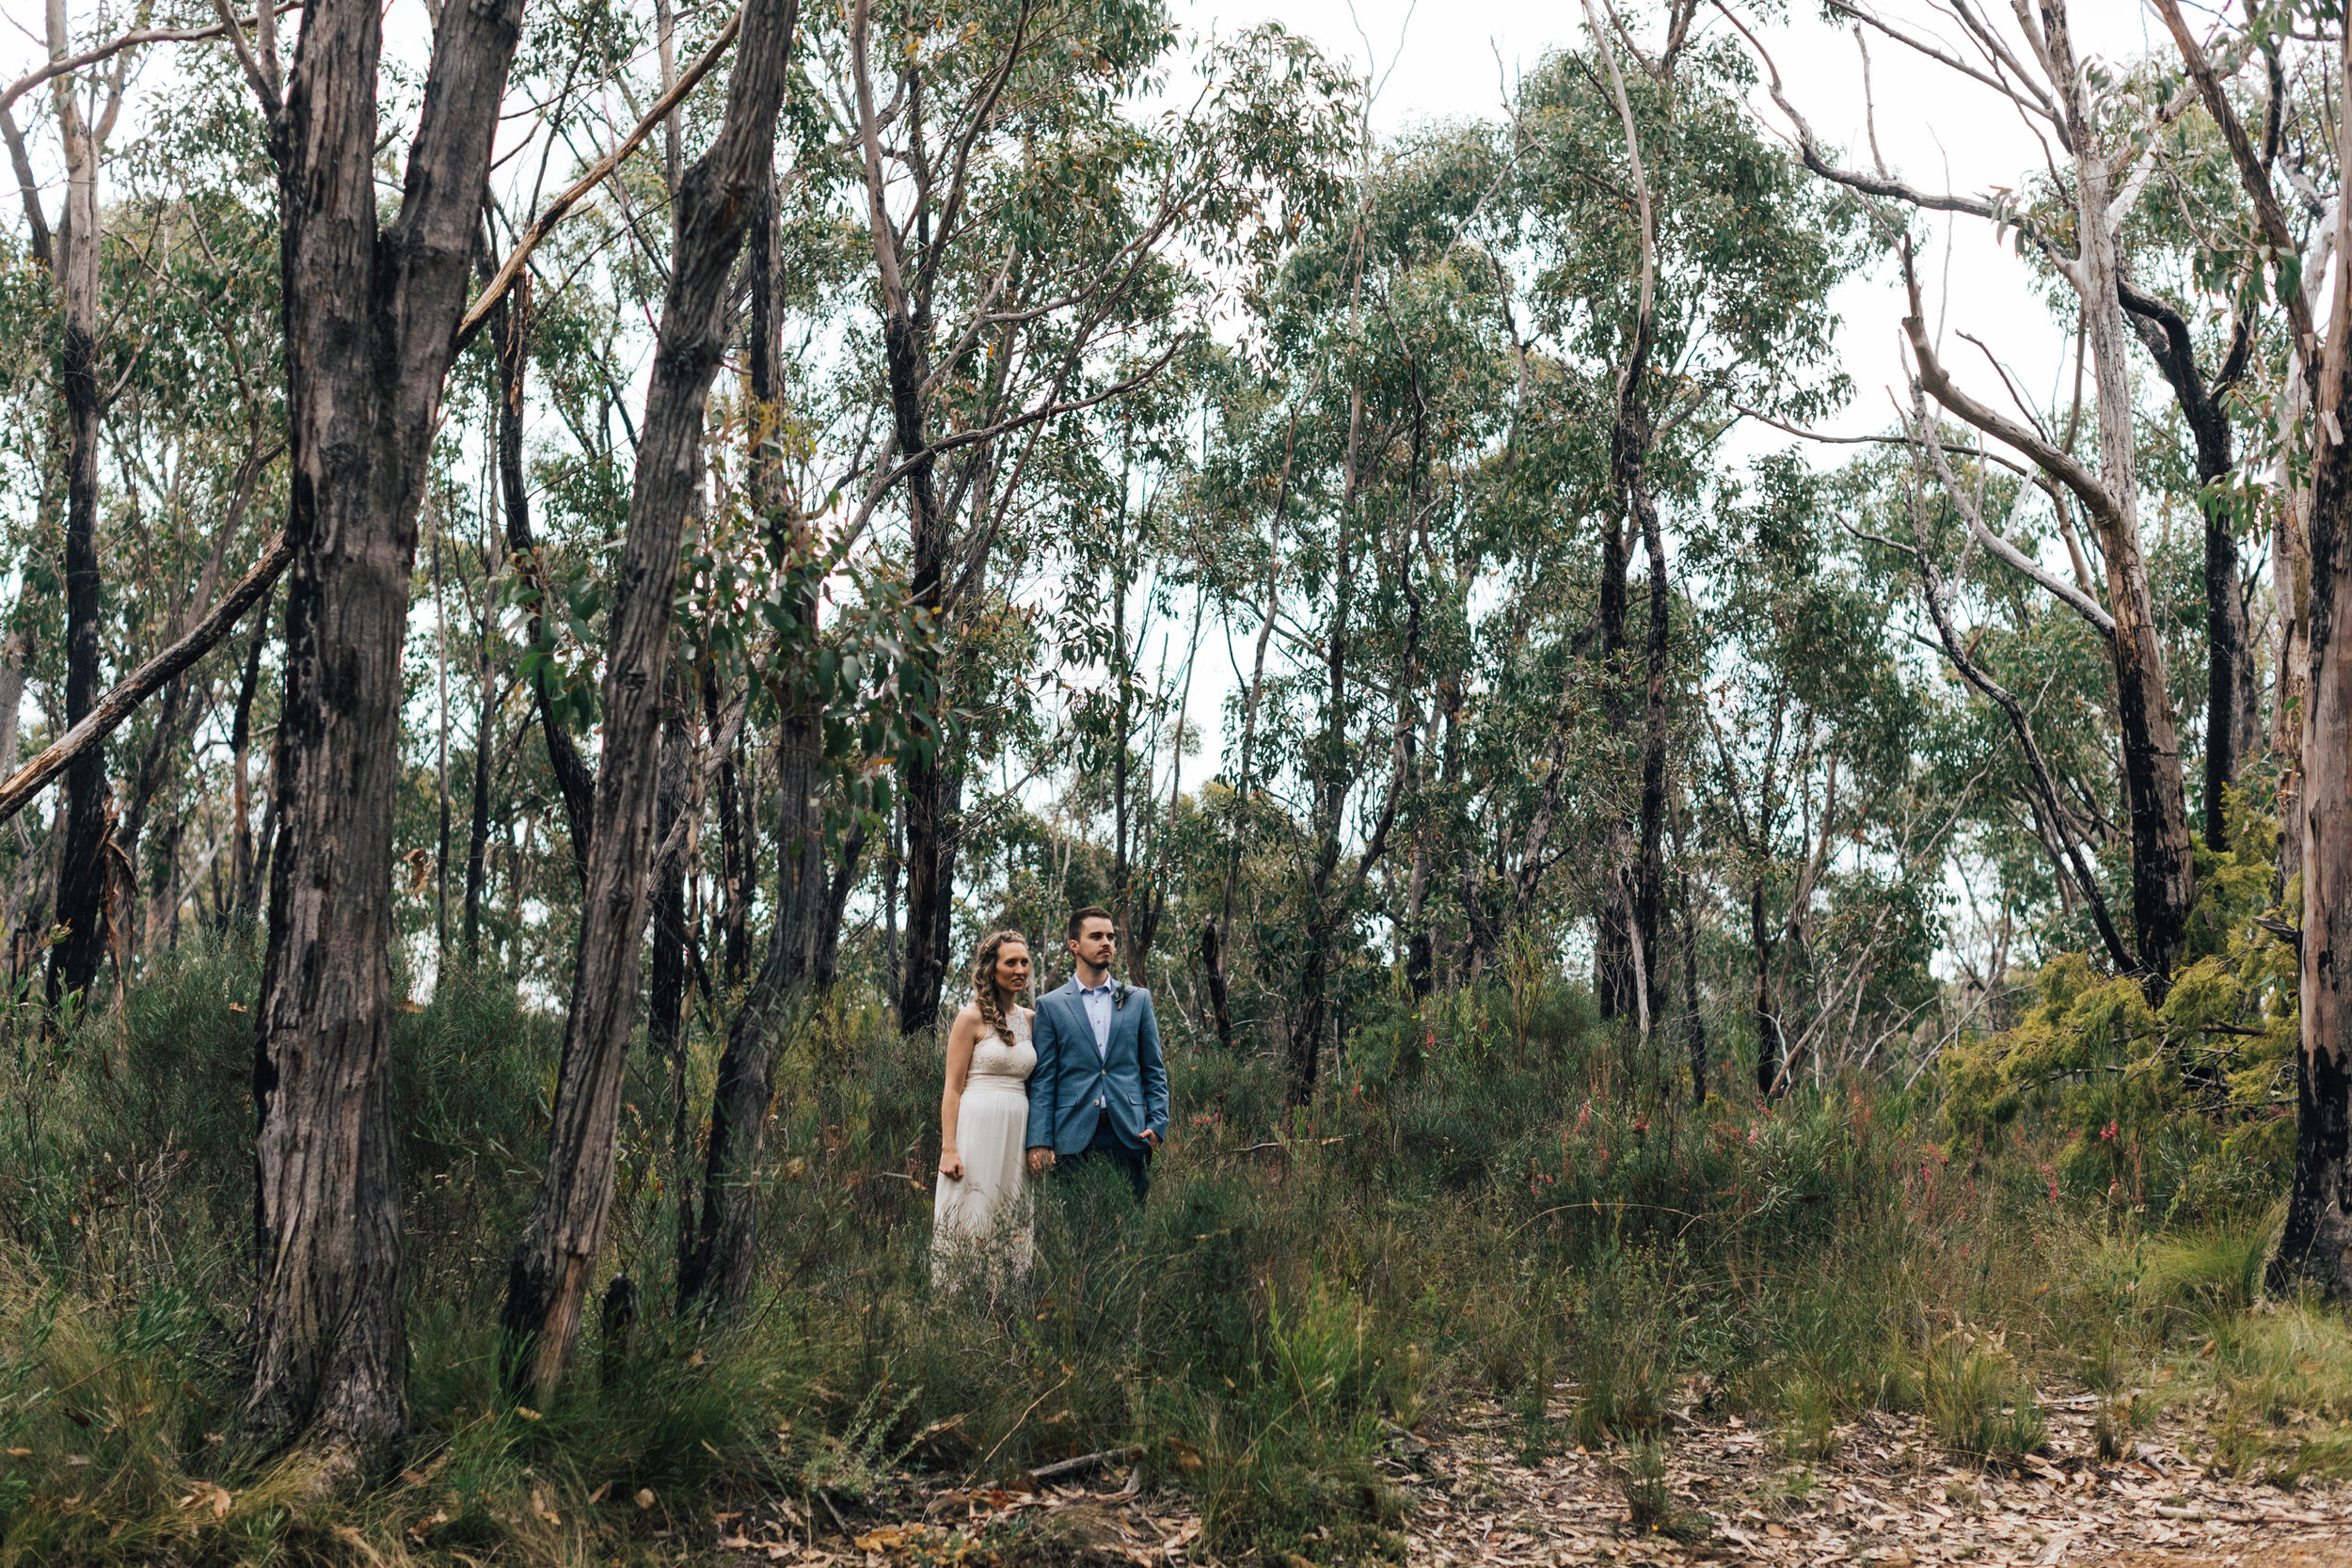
(1118, 995)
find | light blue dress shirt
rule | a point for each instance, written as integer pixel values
(1098, 1006)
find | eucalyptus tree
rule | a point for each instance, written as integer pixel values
(1810, 727)
(1330, 512)
(2316, 1243)
(187, 434)
(1682, 261)
(371, 318)
(717, 199)
(2103, 129)
(71, 253)
(1037, 253)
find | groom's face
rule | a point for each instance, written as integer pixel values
(1094, 942)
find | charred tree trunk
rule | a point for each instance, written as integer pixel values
(1613, 938)
(929, 788)
(893, 963)
(1768, 1033)
(549, 1278)
(734, 858)
(715, 1268)
(478, 819)
(716, 1257)
(85, 868)
(371, 315)
(2163, 867)
(1649, 892)
(2230, 696)
(665, 994)
(845, 878)
(241, 758)
(509, 325)
(1213, 970)
(931, 792)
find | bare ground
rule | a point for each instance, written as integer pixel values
(1886, 1494)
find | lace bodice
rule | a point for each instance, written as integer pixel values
(996, 1065)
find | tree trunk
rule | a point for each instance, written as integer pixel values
(2316, 1244)
(370, 314)
(715, 1269)
(1329, 773)
(735, 869)
(1626, 954)
(1213, 949)
(2229, 695)
(1612, 936)
(1768, 1032)
(665, 994)
(932, 794)
(549, 1278)
(84, 871)
(1649, 893)
(173, 719)
(2315, 1248)
(1212, 967)
(2163, 869)
(241, 752)
(893, 963)
(927, 787)
(440, 746)
(478, 819)
(510, 332)
(1695, 1025)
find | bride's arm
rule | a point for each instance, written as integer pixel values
(961, 1036)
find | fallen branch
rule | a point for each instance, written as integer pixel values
(1078, 1467)
(144, 682)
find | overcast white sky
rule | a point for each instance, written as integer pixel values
(1439, 59)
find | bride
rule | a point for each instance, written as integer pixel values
(984, 1119)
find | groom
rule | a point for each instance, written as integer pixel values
(1100, 1091)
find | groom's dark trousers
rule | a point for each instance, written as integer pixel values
(1133, 1162)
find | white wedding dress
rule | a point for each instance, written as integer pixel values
(981, 1223)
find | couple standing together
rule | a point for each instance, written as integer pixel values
(1077, 1079)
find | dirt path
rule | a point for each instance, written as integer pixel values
(1887, 1496)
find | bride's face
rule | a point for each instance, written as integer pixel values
(1013, 969)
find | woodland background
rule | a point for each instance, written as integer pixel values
(568, 565)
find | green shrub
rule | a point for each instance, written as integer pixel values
(1979, 1405)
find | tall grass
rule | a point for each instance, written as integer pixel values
(1524, 1204)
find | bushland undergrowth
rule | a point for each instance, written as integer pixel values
(1493, 1195)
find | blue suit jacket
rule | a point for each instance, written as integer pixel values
(1129, 1078)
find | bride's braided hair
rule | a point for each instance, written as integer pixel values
(993, 1002)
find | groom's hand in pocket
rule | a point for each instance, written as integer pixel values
(1150, 1138)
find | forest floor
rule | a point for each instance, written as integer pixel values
(1887, 1496)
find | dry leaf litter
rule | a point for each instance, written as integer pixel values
(1887, 1496)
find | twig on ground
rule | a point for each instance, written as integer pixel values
(1081, 1465)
